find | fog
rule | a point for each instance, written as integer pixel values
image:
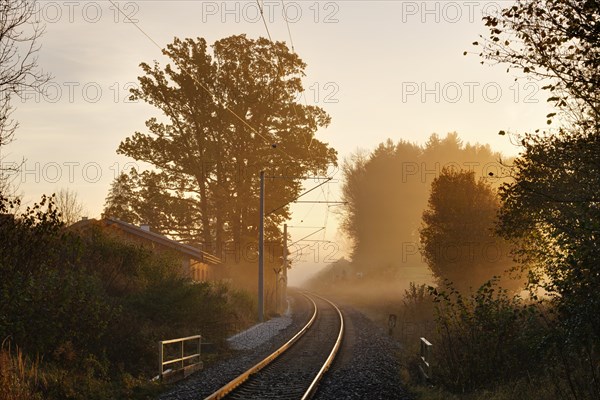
(387, 192)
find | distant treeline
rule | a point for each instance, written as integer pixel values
(387, 192)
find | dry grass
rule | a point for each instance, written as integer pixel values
(18, 376)
(519, 390)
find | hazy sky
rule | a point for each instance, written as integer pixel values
(382, 69)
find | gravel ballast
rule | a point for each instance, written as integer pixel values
(367, 365)
(261, 333)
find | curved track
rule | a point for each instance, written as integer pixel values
(295, 369)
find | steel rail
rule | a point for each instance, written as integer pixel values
(227, 388)
(313, 386)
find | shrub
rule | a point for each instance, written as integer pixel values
(93, 309)
(484, 338)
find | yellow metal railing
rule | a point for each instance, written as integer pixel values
(182, 356)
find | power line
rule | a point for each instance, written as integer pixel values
(310, 209)
(294, 107)
(262, 15)
(287, 23)
(296, 177)
(307, 236)
(320, 202)
(296, 113)
(326, 212)
(292, 201)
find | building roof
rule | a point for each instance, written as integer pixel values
(191, 251)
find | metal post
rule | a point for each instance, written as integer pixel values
(425, 365)
(261, 249)
(160, 359)
(199, 348)
(182, 355)
(276, 271)
(285, 267)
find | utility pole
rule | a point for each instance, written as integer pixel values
(261, 250)
(261, 245)
(285, 266)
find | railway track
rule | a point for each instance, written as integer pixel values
(294, 370)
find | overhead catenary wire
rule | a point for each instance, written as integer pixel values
(309, 144)
(317, 240)
(287, 23)
(311, 208)
(312, 138)
(297, 177)
(320, 202)
(296, 198)
(326, 212)
(261, 9)
(262, 15)
(307, 236)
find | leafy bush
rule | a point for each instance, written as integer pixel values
(417, 302)
(484, 338)
(43, 289)
(93, 308)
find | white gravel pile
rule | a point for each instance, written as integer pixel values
(261, 333)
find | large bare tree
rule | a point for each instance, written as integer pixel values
(20, 32)
(69, 207)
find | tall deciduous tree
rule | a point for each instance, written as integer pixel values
(558, 42)
(457, 237)
(551, 206)
(230, 113)
(552, 209)
(143, 198)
